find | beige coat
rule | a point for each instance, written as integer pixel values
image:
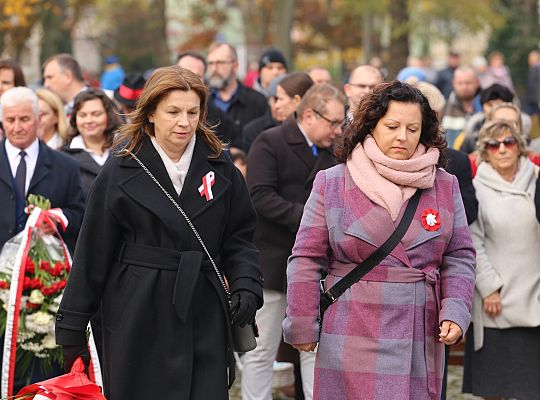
(507, 240)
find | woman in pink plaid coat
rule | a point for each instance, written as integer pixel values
(384, 337)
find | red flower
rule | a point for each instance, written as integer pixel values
(32, 305)
(57, 269)
(45, 265)
(4, 285)
(30, 266)
(430, 219)
(48, 291)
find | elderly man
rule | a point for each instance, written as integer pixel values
(239, 102)
(461, 104)
(282, 164)
(362, 81)
(28, 166)
(62, 74)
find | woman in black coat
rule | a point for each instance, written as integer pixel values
(165, 313)
(94, 122)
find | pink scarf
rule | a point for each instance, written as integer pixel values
(389, 182)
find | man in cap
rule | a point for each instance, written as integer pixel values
(240, 103)
(271, 65)
(127, 94)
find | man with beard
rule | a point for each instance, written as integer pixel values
(461, 104)
(228, 94)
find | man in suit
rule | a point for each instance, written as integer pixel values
(29, 166)
(282, 164)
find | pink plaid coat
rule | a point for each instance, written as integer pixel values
(380, 339)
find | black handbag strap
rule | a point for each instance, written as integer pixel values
(331, 295)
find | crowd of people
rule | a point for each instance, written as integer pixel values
(290, 183)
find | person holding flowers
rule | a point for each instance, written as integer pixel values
(166, 321)
(29, 169)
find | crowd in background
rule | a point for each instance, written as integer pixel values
(267, 119)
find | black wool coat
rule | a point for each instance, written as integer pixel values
(89, 168)
(281, 170)
(56, 177)
(458, 164)
(165, 314)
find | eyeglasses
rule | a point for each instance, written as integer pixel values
(333, 123)
(219, 63)
(494, 145)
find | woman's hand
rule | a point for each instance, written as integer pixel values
(305, 346)
(492, 304)
(450, 332)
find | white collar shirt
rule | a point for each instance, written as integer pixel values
(309, 142)
(14, 158)
(78, 143)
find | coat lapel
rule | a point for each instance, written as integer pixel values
(43, 166)
(297, 141)
(368, 221)
(324, 160)
(140, 187)
(5, 169)
(191, 199)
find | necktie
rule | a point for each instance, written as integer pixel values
(315, 150)
(20, 176)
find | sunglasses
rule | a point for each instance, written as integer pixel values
(494, 145)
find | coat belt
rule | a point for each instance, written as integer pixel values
(187, 265)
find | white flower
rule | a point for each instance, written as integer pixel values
(48, 342)
(431, 220)
(36, 297)
(42, 318)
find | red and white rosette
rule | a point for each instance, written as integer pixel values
(36, 218)
(430, 219)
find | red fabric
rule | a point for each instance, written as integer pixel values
(74, 385)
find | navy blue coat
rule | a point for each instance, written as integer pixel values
(56, 178)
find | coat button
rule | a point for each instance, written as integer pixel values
(59, 316)
(11, 231)
(12, 197)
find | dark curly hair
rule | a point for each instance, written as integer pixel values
(374, 106)
(113, 118)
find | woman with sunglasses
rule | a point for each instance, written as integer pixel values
(502, 358)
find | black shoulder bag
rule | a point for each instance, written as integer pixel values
(330, 296)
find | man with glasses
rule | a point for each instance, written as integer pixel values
(282, 164)
(239, 102)
(362, 81)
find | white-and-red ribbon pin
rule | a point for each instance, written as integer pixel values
(206, 188)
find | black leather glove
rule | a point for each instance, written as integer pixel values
(71, 353)
(243, 307)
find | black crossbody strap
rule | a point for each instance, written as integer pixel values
(331, 295)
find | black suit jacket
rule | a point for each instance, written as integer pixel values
(246, 105)
(460, 166)
(281, 170)
(56, 178)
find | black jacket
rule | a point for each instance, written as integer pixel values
(537, 198)
(224, 126)
(256, 127)
(281, 169)
(56, 177)
(246, 105)
(165, 315)
(89, 168)
(460, 166)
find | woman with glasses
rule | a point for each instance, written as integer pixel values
(502, 358)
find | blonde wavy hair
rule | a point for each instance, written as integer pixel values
(57, 106)
(495, 129)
